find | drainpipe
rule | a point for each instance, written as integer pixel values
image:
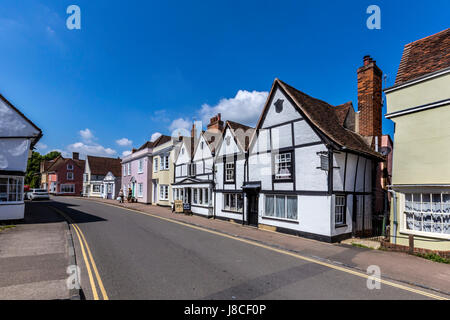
(214, 183)
(394, 197)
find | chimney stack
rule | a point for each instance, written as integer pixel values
(215, 123)
(75, 156)
(370, 99)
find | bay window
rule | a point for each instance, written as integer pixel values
(427, 212)
(164, 192)
(281, 206)
(11, 189)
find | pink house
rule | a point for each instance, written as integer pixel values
(137, 173)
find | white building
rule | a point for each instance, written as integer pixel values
(18, 135)
(95, 171)
(231, 173)
(309, 173)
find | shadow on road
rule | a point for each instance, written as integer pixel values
(40, 212)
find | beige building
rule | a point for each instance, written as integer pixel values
(419, 105)
(163, 171)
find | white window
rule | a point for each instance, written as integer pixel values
(141, 166)
(339, 210)
(109, 188)
(195, 196)
(427, 212)
(280, 206)
(206, 196)
(11, 189)
(124, 170)
(229, 171)
(140, 190)
(70, 166)
(233, 202)
(164, 192)
(67, 188)
(96, 188)
(164, 165)
(283, 166)
(155, 164)
(69, 175)
(85, 177)
(129, 168)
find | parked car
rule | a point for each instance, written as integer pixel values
(35, 194)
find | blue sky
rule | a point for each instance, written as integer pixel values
(141, 67)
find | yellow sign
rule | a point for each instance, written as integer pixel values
(179, 206)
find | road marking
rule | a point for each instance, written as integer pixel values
(295, 255)
(91, 280)
(82, 240)
(99, 279)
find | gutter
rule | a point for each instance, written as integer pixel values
(394, 197)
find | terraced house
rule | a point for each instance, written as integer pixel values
(64, 176)
(419, 105)
(163, 170)
(310, 169)
(137, 173)
(195, 175)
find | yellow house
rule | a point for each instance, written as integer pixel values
(163, 171)
(419, 105)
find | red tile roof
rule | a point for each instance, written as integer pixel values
(102, 165)
(424, 56)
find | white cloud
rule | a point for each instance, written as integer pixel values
(41, 146)
(91, 149)
(245, 107)
(155, 136)
(180, 124)
(126, 153)
(86, 135)
(124, 142)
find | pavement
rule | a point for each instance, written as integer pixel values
(34, 256)
(155, 254)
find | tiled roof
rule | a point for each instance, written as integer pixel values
(161, 140)
(342, 111)
(424, 56)
(242, 133)
(54, 165)
(102, 165)
(324, 117)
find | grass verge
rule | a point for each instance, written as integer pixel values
(433, 257)
(3, 227)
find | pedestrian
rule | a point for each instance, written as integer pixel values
(130, 194)
(121, 196)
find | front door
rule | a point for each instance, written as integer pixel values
(252, 209)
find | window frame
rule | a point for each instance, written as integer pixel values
(164, 192)
(235, 204)
(19, 192)
(66, 185)
(141, 166)
(275, 165)
(403, 217)
(344, 206)
(72, 176)
(274, 216)
(225, 164)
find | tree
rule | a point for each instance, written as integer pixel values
(32, 177)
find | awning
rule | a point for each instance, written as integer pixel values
(252, 187)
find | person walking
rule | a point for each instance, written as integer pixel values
(121, 196)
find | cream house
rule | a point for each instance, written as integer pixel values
(419, 105)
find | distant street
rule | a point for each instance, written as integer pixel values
(142, 257)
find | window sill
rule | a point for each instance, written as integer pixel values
(283, 180)
(280, 219)
(342, 225)
(232, 211)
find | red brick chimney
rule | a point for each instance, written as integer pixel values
(370, 99)
(75, 156)
(215, 123)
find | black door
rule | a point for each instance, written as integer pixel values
(252, 209)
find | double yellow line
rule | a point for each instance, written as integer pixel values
(88, 259)
(292, 254)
